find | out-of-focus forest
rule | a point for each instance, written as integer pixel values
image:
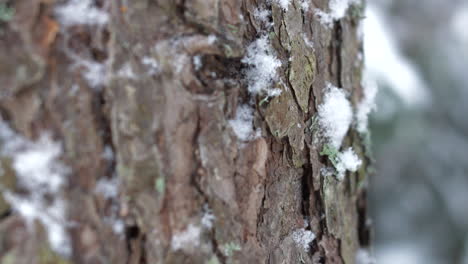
(417, 52)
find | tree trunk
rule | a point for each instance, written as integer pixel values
(142, 97)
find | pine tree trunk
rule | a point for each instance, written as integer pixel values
(140, 96)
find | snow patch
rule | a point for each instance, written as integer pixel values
(307, 41)
(197, 62)
(263, 65)
(190, 237)
(80, 12)
(347, 161)
(211, 39)
(207, 218)
(303, 238)
(338, 9)
(41, 174)
(127, 72)
(263, 15)
(284, 4)
(335, 115)
(95, 73)
(242, 125)
(151, 64)
(305, 5)
(109, 188)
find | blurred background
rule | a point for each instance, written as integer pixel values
(417, 52)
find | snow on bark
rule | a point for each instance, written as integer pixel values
(262, 67)
(335, 115)
(41, 174)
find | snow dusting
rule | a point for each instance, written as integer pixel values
(151, 64)
(109, 188)
(303, 238)
(81, 12)
(284, 4)
(207, 218)
(127, 71)
(335, 115)
(95, 73)
(263, 15)
(190, 237)
(41, 174)
(242, 125)
(347, 161)
(262, 67)
(197, 62)
(338, 9)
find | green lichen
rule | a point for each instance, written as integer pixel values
(160, 185)
(47, 256)
(264, 101)
(233, 28)
(230, 248)
(6, 13)
(228, 50)
(332, 154)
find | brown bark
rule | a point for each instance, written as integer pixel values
(176, 156)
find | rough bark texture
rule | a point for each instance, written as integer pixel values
(176, 157)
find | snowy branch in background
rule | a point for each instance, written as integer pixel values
(385, 63)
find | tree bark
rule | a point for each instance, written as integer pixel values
(189, 191)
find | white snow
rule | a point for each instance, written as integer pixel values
(36, 168)
(263, 15)
(386, 64)
(108, 153)
(41, 174)
(95, 73)
(347, 161)
(81, 12)
(190, 237)
(307, 41)
(207, 218)
(284, 4)
(242, 125)
(338, 9)
(263, 65)
(118, 226)
(212, 39)
(127, 71)
(305, 5)
(151, 64)
(109, 188)
(335, 115)
(367, 104)
(197, 62)
(303, 238)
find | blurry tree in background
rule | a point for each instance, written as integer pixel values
(182, 132)
(419, 195)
